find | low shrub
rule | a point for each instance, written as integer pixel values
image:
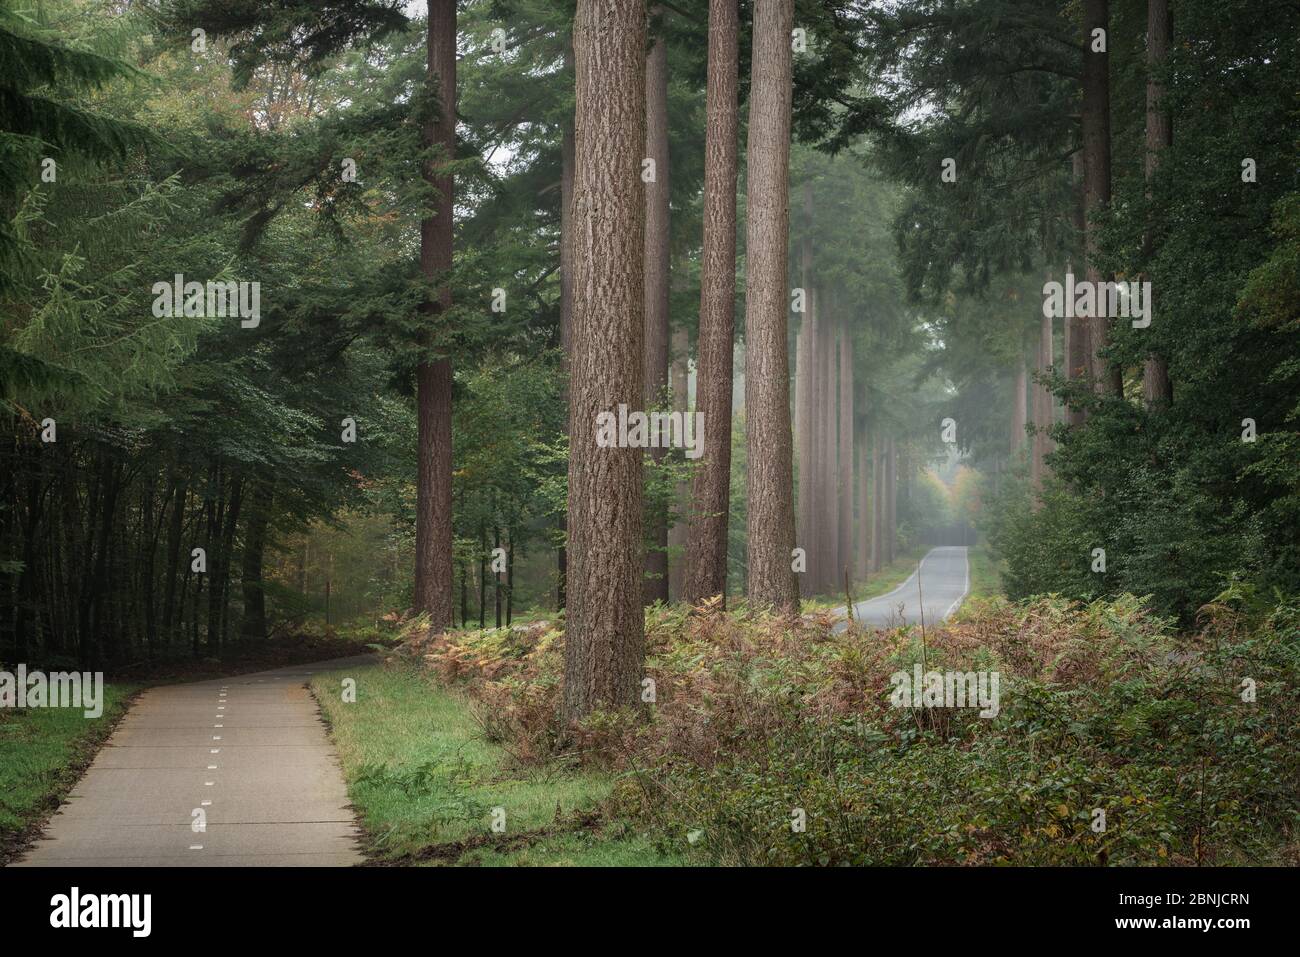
(1117, 740)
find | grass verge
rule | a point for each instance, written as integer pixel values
(43, 753)
(426, 783)
(985, 572)
(879, 583)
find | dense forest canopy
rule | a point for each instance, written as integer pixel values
(300, 304)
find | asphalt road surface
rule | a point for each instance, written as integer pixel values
(247, 757)
(945, 580)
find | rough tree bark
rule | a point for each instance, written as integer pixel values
(821, 559)
(805, 396)
(803, 433)
(1106, 378)
(1019, 410)
(679, 372)
(891, 501)
(1156, 385)
(566, 300)
(1042, 408)
(864, 511)
(605, 638)
(433, 555)
(877, 503)
(812, 535)
(706, 546)
(830, 532)
(770, 533)
(845, 457)
(657, 229)
(1076, 328)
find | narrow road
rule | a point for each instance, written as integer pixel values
(945, 580)
(248, 757)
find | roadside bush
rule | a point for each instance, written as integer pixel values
(1106, 713)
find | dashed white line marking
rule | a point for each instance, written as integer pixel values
(216, 737)
(215, 751)
(208, 784)
(196, 847)
(212, 767)
(205, 804)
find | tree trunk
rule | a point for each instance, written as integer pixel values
(1096, 182)
(26, 593)
(706, 547)
(770, 477)
(804, 395)
(496, 575)
(891, 501)
(877, 503)
(510, 577)
(656, 296)
(566, 303)
(605, 638)
(464, 594)
(863, 512)
(1076, 328)
(1156, 386)
(216, 515)
(253, 625)
(845, 455)
(827, 396)
(1019, 412)
(1042, 409)
(227, 553)
(433, 532)
(807, 419)
(819, 413)
(482, 577)
(680, 372)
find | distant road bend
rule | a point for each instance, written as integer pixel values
(945, 581)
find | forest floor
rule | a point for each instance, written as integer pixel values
(426, 769)
(761, 723)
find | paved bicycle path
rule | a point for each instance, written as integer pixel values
(945, 582)
(246, 756)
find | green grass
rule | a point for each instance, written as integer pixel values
(43, 752)
(425, 781)
(985, 572)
